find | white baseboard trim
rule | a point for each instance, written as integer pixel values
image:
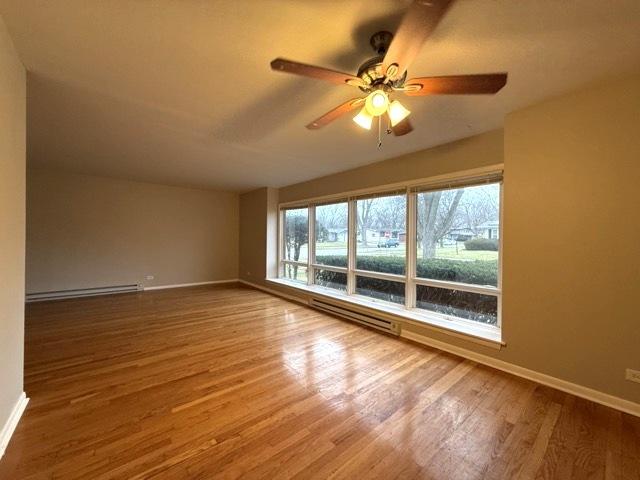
(81, 292)
(12, 422)
(194, 284)
(293, 298)
(621, 404)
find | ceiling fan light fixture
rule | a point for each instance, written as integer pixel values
(376, 103)
(364, 119)
(397, 112)
(385, 74)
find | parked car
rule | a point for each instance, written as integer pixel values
(388, 242)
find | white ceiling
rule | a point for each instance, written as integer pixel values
(180, 91)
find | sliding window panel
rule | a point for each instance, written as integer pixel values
(332, 234)
(456, 303)
(295, 233)
(331, 279)
(381, 234)
(379, 289)
(458, 234)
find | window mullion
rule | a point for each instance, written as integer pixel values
(462, 287)
(392, 277)
(331, 268)
(500, 230)
(311, 250)
(351, 246)
(411, 253)
(280, 243)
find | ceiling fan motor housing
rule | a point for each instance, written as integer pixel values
(371, 73)
(371, 70)
(380, 41)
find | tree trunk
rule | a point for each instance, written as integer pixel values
(430, 234)
(363, 218)
(432, 200)
(448, 221)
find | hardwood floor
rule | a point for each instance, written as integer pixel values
(227, 382)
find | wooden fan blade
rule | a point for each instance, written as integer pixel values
(297, 68)
(418, 23)
(331, 115)
(456, 84)
(402, 128)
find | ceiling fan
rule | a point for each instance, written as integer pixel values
(385, 75)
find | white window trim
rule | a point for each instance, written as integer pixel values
(393, 277)
(409, 311)
(461, 287)
(331, 268)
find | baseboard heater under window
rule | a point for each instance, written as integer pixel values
(362, 318)
(82, 292)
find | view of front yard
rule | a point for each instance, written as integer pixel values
(457, 241)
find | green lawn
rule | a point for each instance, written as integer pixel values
(331, 245)
(462, 254)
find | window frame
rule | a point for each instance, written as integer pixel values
(492, 175)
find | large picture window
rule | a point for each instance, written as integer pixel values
(433, 250)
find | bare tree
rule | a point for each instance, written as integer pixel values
(479, 209)
(390, 212)
(364, 217)
(438, 213)
(332, 216)
(296, 235)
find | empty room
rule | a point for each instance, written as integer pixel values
(350, 239)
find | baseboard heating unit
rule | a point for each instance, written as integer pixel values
(359, 317)
(82, 292)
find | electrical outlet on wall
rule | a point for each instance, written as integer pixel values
(149, 277)
(633, 375)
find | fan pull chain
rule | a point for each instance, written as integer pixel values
(380, 131)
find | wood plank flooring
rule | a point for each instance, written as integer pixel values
(230, 382)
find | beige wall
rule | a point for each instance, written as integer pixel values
(85, 231)
(473, 152)
(12, 223)
(571, 262)
(253, 235)
(572, 236)
(258, 227)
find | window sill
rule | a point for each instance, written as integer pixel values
(487, 335)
